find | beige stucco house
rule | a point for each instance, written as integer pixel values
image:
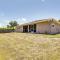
(50, 26)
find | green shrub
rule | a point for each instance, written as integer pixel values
(6, 30)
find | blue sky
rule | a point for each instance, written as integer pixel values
(28, 10)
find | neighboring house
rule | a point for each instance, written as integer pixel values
(50, 26)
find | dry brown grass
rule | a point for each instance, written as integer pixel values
(24, 46)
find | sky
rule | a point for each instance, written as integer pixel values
(28, 10)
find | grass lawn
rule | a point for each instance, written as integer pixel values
(25, 46)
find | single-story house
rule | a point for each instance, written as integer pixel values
(50, 26)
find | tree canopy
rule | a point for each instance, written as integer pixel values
(12, 24)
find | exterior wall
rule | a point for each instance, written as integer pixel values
(47, 28)
(53, 28)
(19, 29)
(58, 28)
(42, 28)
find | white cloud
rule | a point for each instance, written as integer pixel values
(23, 19)
(20, 20)
(2, 25)
(42, 0)
(6, 21)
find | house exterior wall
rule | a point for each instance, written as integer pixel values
(42, 28)
(48, 28)
(53, 28)
(19, 29)
(58, 28)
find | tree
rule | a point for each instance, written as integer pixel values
(13, 24)
(8, 26)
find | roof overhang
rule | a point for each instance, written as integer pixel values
(40, 21)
